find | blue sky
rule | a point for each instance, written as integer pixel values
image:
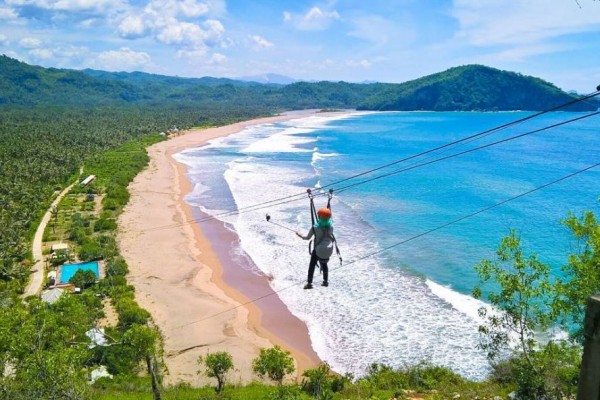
(349, 40)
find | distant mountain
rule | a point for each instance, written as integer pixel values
(269, 78)
(23, 84)
(466, 88)
(143, 78)
(473, 88)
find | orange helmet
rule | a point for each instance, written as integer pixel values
(324, 213)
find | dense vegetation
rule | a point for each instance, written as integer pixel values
(465, 88)
(473, 88)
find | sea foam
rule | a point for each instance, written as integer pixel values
(373, 311)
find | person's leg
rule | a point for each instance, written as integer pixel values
(325, 270)
(311, 270)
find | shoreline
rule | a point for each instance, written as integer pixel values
(198, 296)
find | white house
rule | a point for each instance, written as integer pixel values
(88, 179)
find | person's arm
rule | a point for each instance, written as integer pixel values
(310, 234)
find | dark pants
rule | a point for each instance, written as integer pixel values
(313, 263)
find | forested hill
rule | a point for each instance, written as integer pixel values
(466, 88)
(473, 87)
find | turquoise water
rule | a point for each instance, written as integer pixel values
(68, 270)
(412, 302)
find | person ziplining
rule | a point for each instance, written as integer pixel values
(324, 243)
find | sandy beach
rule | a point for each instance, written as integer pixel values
(183, 275)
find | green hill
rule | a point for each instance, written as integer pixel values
(466, 88)
(23, 84)
(473, 88)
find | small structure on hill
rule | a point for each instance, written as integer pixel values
(59, 248)
(88, 180)
(51, 296)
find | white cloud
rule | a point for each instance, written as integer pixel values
(214, 32)
(191, 8)
(366, 64)
(44, 54)
(30, 43)
(176, 8)
(70, 5)
(166, 21)
(217, 59)
(185, 33)
(123, 59)
(259, 42)
(88, 23)
(132, 26)
(492, 22)
(315, 19)
(199, 56)
(8, 13)
(70, 52)
(3, 39)
(192, 54)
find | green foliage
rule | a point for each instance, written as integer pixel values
(46, 347)
(274, 363)
(130, 313)
(105, 225)
(285, 392)
(83, 279)
(557, 366)
(471, 88)
(522, 298)
(90, 250)
(116, 267)
(321, 382)
(582, 275)
(217, 365)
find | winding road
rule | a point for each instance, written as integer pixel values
(36, 279)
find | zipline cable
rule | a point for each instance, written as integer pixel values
(469, 138)
(289, 199)
(344, 188)
(427, 232)
(463, 140)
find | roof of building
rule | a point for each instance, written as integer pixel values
(52, 295)
(59, 246)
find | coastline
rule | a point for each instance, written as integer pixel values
(183, 274)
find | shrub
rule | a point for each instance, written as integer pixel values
(116, 267)
(555, 372)
(424, 376)
(130, 313)
(83, 279)
(105, 225)
(274, 363)
(321, 382)
(217, 366)
(90, 251)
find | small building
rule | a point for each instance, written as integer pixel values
(88, 179)
(52, 295)
(59, 248)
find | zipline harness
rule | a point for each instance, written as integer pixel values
(313, 217)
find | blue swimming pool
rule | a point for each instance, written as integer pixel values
(68, 270)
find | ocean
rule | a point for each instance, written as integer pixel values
(411, 302)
